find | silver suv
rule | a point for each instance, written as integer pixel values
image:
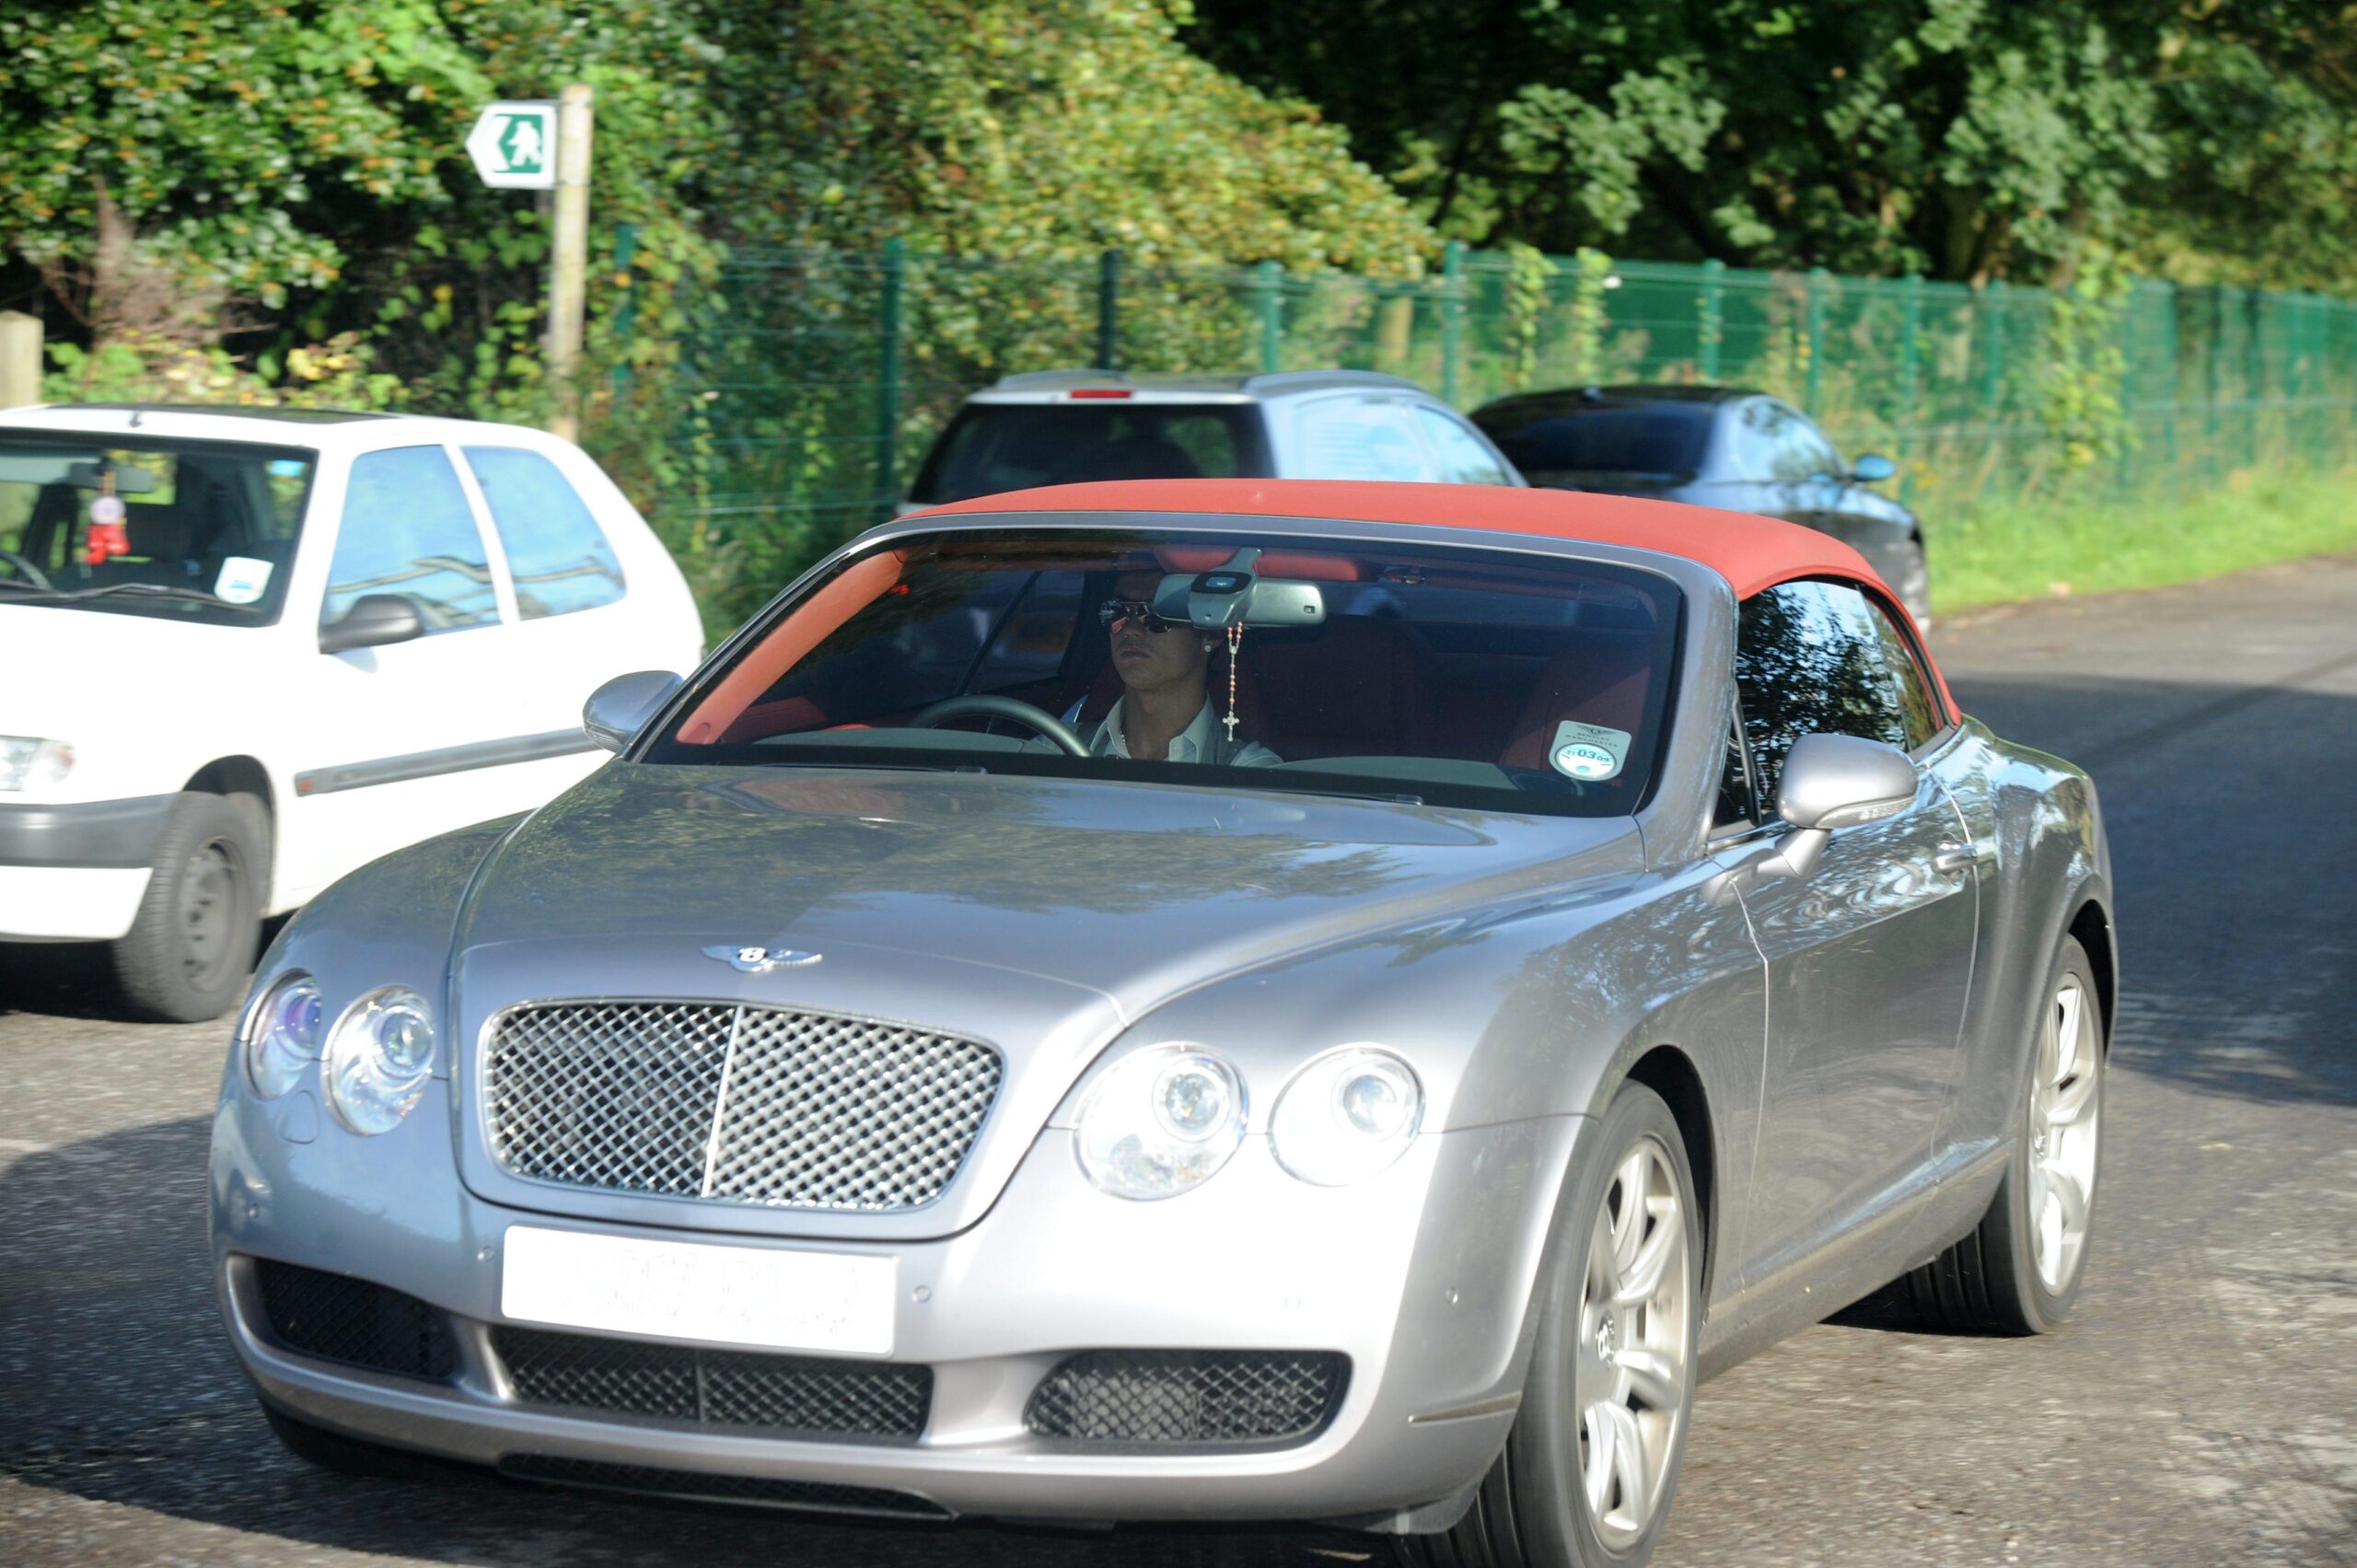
(1066, 427)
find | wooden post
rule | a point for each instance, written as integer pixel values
(19, 359)
(569, 262)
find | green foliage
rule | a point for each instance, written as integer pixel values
(1528, 271)
(2086, 363)
(1960, 139)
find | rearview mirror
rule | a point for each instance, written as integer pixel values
(619, 708)
(374, 620)
(1872, 468)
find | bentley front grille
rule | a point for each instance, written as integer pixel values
(1187, 1397)
(734, 1105)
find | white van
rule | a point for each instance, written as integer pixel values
(244, 651)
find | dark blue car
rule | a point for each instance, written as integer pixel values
(1724, 447)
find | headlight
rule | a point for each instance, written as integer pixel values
(282, 1036)
(1346, 1116)
(379, 1055)
(1162, 1121)
(27, 763)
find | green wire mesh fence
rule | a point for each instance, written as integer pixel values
(818, 377)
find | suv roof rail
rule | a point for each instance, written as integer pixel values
(1268, 382)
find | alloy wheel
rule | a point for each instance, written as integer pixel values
(2065, 1113)
(1631, 1368)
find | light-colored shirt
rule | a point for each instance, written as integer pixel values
(1192, 744)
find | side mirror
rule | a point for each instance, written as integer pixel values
(372, 620)
(1872, 468)
(1835, 781)
(619, 708)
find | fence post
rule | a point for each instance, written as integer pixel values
(1910, 331)
(2254, 369)
(1452, 315)
(888, 378)
(19, 359)
(2124, 334)
(626, 313)
(1109, 310)
(1993, 353)
(1817, 277)
(1268, 282)
(2216, 357)
(1714, 319)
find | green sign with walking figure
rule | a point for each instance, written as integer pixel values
(514, 146)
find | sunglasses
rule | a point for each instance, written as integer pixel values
(1113, 611)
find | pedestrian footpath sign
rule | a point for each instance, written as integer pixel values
(514, 146)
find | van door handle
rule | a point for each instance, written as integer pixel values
(1954, 860)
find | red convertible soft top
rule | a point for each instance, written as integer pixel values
(1750, 551)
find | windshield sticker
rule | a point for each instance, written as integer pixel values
(1588, 752)
(242, 580)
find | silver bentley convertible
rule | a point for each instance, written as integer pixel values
(1192, 999)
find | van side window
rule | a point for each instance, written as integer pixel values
(559, 559)
(407, 530)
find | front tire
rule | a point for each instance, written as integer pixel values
(1588, 1474)
(191, 945)
(2020, 1270)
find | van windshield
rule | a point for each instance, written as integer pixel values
(993, 448)
(200, 530)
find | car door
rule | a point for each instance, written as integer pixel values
(1869, 957)
(580, 619)
(395, 743)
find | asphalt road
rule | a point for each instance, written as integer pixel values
(2202, 1409)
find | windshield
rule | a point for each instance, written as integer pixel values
(991, 448)
(197, 531)
(1452, 675)
(1583, 437)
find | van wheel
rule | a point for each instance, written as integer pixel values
(1587, 1471)
(189, 950)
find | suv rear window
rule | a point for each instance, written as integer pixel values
(993, 448)
(1597, 437)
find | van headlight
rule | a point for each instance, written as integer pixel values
(1159, 1121)
(379, 1055)
(1347, 1115)
(30, 762)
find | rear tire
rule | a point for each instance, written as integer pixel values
(2020, 1269)
(1588, 1474)
(191, 945)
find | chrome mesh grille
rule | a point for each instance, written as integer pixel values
(717, 1388)
(739, 1105)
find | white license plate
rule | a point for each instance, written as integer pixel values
(741, 1296)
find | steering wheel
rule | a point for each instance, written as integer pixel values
(1038, 720)
(25, 569)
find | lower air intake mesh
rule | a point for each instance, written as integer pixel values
(1187, 1396)
(710, 1388)
(337, 1317)
(759, 1491)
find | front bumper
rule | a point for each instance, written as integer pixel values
(1422, 1277)
(76, 872)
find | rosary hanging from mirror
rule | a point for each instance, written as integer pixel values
(1234, 646)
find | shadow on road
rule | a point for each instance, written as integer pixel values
(74, 979)
(121, 1390)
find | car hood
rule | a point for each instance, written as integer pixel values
(1042, 916)
(84, 675)
(1131, 890)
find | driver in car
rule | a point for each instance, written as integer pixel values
(1165, 713)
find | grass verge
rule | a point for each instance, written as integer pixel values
(2033, 549)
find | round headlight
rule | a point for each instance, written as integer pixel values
(379, 1055)
(1346, 1116)
(282, 1036)
(1159, 1121)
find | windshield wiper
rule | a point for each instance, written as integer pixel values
(146, 590)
